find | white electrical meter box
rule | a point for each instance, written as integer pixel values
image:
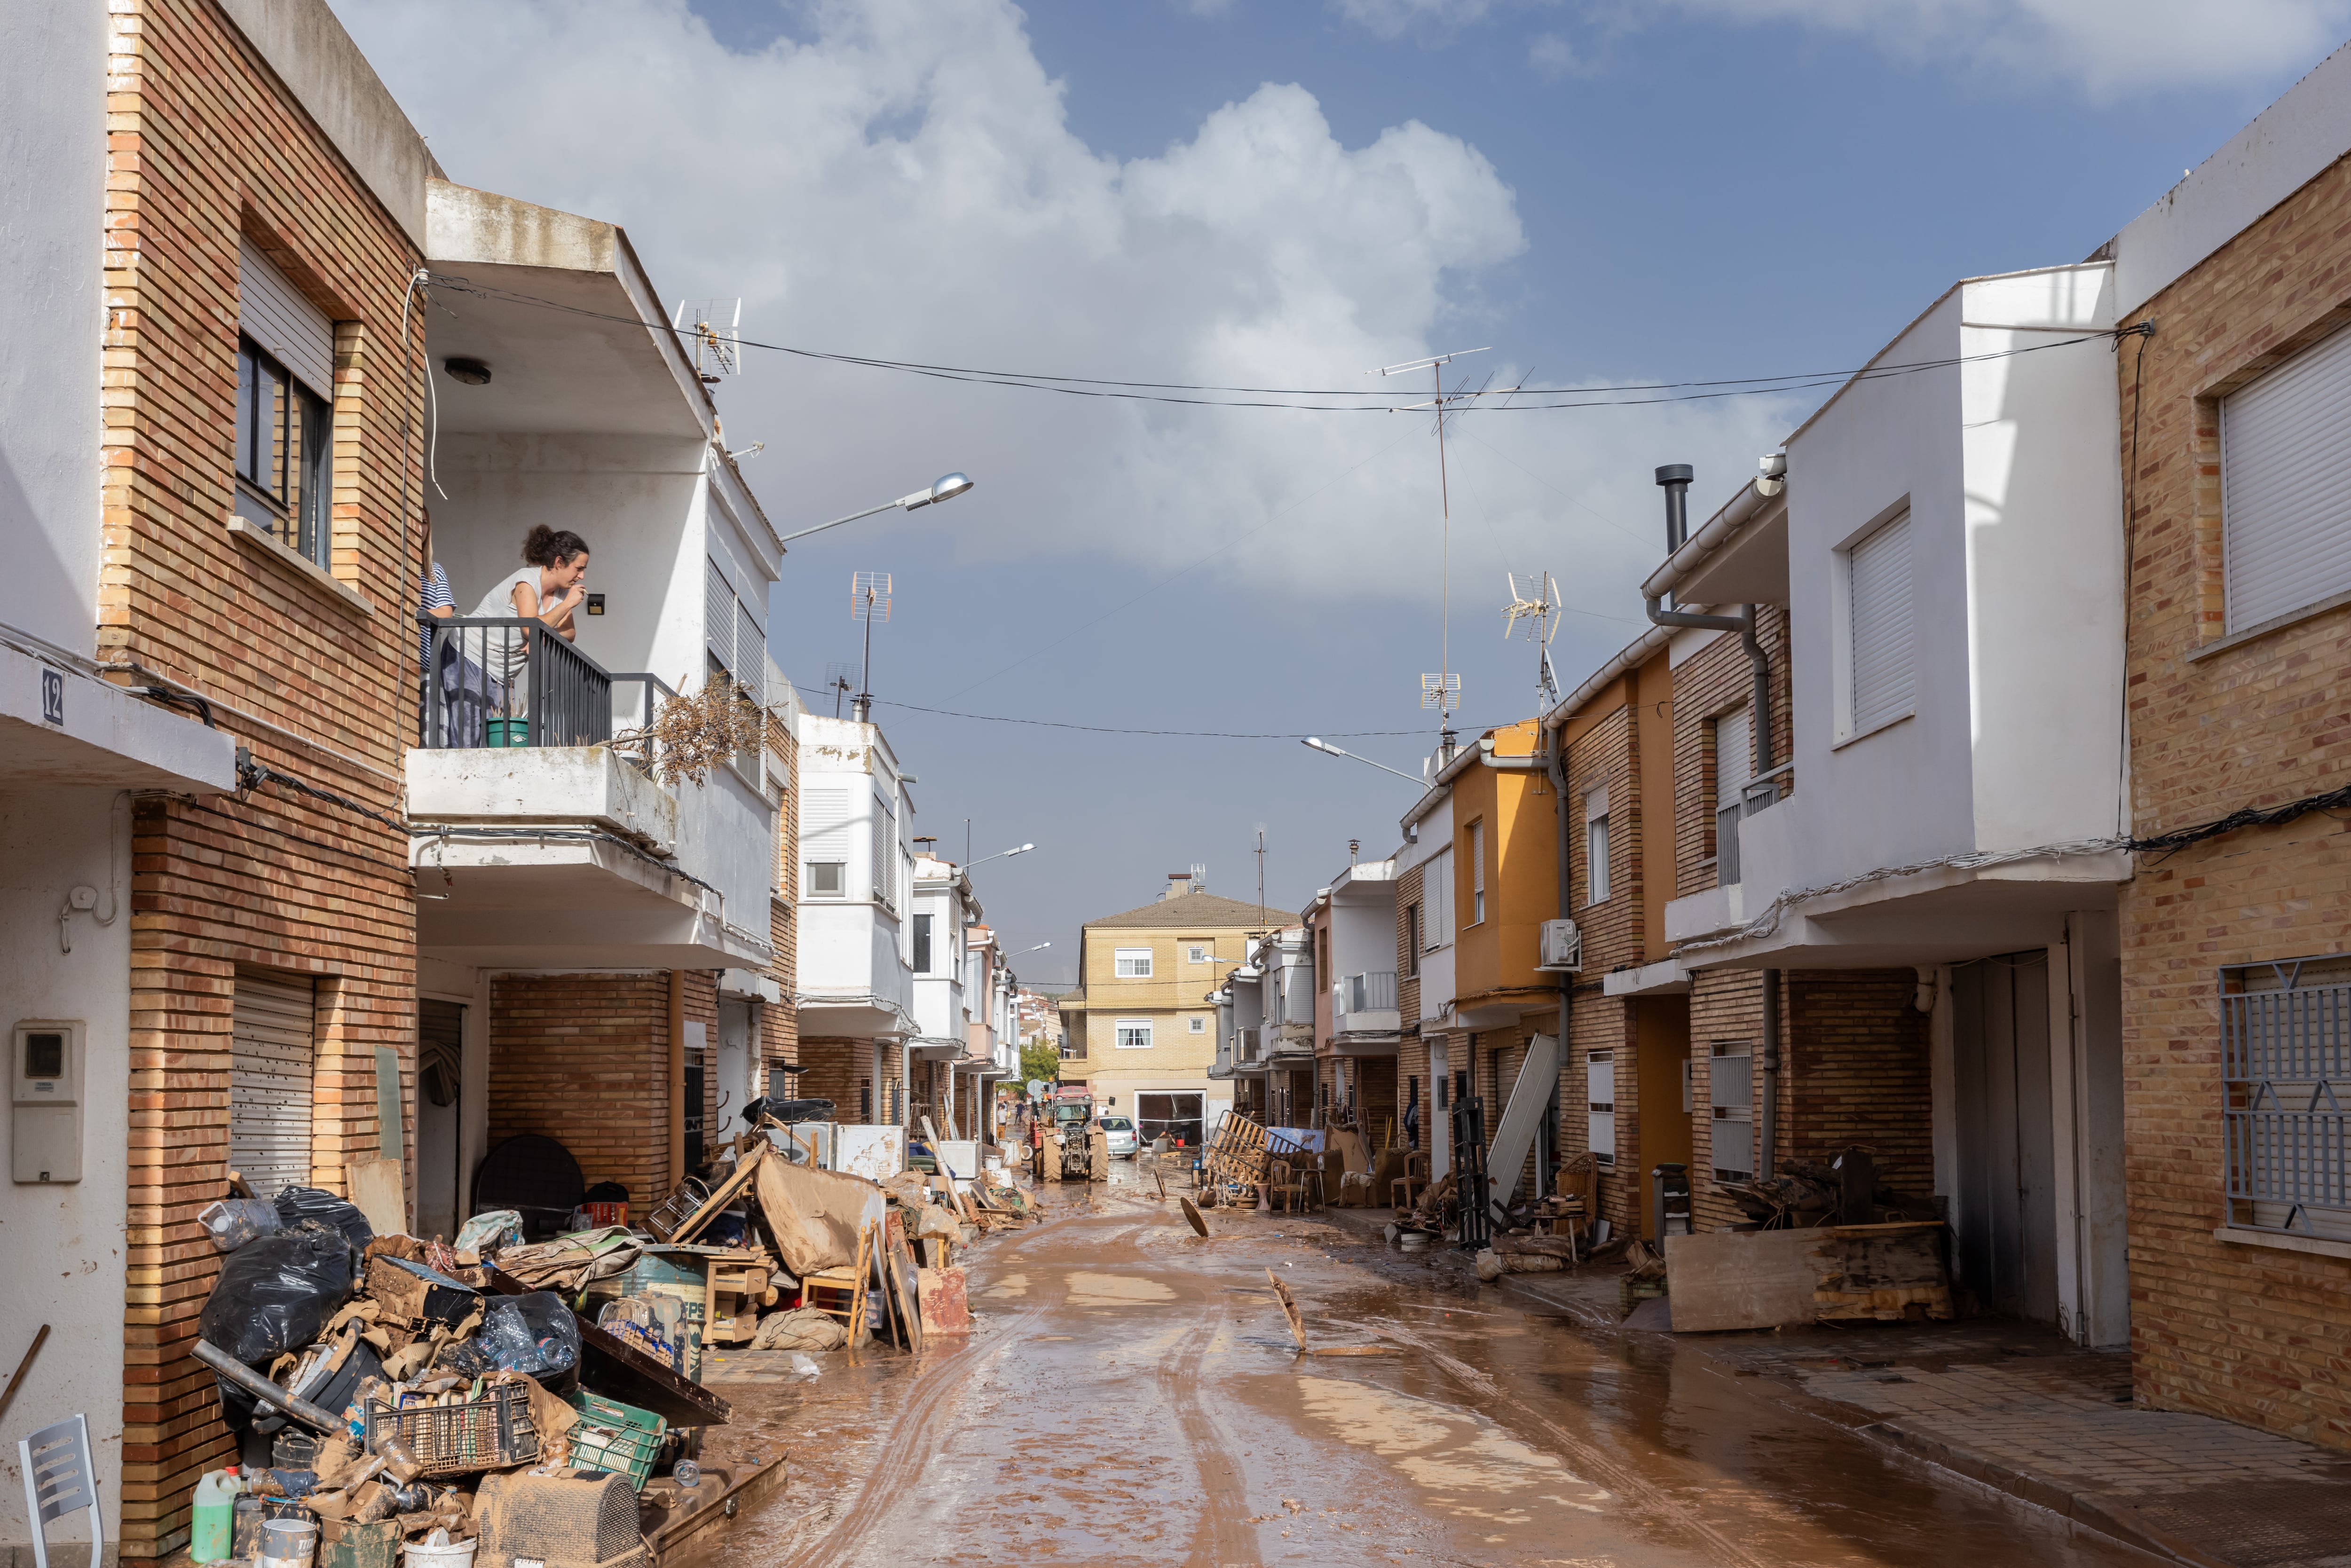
(45, 1095)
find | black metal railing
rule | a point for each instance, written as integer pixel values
(507, 681)
(1755, 798)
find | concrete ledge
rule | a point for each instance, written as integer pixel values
(541, 784)
(1705, 914)
(2314, 1246)
(1660, 979)
(61, 727)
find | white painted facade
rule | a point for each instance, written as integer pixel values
(2012, 740)
(72, 748)
(855, 976)
(1362, 978)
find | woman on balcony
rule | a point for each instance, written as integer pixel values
(551, 586)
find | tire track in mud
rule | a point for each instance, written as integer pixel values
(908, 1447)
(1220, 1536)
(1589, 1461)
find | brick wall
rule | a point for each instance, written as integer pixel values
(1857, 1072)
(584, 1060)
(1708, 685)
(1726, 1007)
(1607, 755)
(2248, 1332)
(834, 1069)
(204, 145)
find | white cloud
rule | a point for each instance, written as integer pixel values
(1393, 18)
(1555, 58)
(2113, 47)
(903, 184)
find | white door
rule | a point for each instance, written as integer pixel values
(275, 1048)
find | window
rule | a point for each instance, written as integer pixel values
(1196, 1025)
(1436, 889)
(828, 879)
(1877, 628)
(2285, 524)
(1731, 1098)
(1477, 873)
(737, 651)
(283, 444)
(922, 944)
(1600, 1106)
(2286, 1036)
(1732, 764)
(1132, 963)
(1323, 951)
(885, 852)
(1595, 846)
(1412, 938)
(284, 439)
(1199, 952)
(1134, 1034)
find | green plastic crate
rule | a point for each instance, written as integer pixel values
(614, 1436)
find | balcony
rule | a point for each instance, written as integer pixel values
(1249, 1049)
(1364, 1004)
(1758, 797)
(537, 842)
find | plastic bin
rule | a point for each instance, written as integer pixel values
(614, 1436)
(450, 1440)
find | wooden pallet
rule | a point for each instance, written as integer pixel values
(1239, 1152)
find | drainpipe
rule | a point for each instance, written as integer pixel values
(1675, 479)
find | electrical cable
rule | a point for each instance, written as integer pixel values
(1156, 391)
(1185, 734)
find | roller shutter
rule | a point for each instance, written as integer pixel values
(1883, 684)
(269, 1082)
(2285, 513)
(290, 330)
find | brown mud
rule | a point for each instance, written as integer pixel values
(1131, 1394)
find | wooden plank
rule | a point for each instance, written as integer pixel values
(1741, 1278)
(377, 1191)
(746, 1490)
(1289, 1310)
(727, 1192)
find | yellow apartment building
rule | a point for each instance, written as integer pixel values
(1141, 1032)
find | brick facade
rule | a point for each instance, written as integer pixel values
(1708, 684)
(584, 1060)
(205, 145)
(2246, 1332)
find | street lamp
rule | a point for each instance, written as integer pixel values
(945, 488)
(1318, 743)
(1038, 948)
(999, 854)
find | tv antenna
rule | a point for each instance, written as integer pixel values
(717, 328)
(869, 601)
(836, 681)
(1445, 694)
(1537, 603)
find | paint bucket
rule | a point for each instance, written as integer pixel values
(509, 731)
(1414, 1241)
(437, 1550)
(288, 1544)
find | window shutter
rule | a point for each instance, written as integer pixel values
(1734, 760)
(750, 649)
(1879, 585)
(885, 852)
(824, 817)
(1731, 1096)
(274, 314)
(1600, 1108)
(271, 1060)
(718, 617)
(2285, 519)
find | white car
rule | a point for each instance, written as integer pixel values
(1122, 1136)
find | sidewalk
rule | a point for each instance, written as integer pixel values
(2017, 1407)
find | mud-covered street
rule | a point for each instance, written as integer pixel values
(1131, 1394)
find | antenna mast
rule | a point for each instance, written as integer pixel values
(1441, 691)
(869, 601)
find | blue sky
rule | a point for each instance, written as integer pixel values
(1162, 191)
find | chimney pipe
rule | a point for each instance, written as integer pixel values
(1675, 478)
(860, 708)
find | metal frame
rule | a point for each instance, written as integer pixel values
(2279, 1045)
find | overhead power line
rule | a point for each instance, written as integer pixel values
(1359, 400)
(1191, 734)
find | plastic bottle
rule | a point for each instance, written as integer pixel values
(215, 1515)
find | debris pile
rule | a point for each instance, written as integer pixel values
(491, 1391)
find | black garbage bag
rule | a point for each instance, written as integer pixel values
(297, 1204)
(275, 1294)
(535, 1333)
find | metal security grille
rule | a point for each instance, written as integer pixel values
(2285, 1039)
(270, 1066)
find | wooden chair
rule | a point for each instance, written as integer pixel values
(1294, 1187)
(1406, 1188)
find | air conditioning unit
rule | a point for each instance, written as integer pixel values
(1562, 947)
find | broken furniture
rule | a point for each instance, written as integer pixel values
(1404, 1189)
(59, 1480)
(1832, 1273)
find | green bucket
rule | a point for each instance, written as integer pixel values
(509, 731)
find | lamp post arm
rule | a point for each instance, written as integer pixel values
(1330, 750)
(838, 521)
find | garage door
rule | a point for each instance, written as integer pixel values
(269, 1082)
